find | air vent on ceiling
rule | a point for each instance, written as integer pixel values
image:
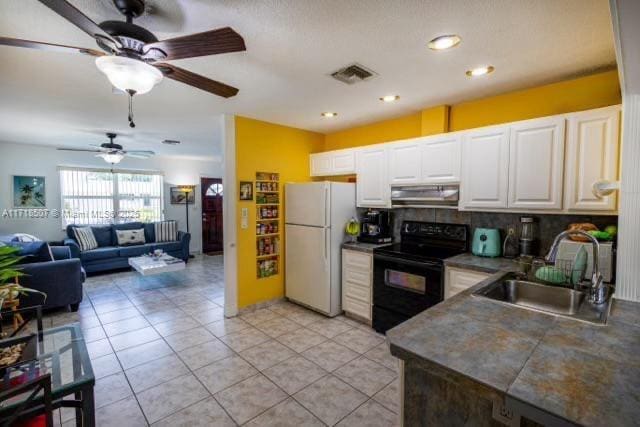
(353, 73)
(171, 142)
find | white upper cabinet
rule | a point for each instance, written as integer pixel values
(404, 162)
(440, 159)
(536, 156)
(485, 168)
(372, 185)
(592, 155)
(340, 162)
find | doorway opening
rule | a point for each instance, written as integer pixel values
(212, 192)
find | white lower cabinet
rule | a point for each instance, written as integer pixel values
(460, 279)
(357, 281)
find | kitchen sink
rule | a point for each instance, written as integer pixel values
(560, 301)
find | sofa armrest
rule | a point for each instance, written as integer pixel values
(60, 252)
(185, 239)
(73, 247)
(60, 280)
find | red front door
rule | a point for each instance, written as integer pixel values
(211, 189)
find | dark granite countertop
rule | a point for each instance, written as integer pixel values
(486, 265)
(362, 247)
(575, 371)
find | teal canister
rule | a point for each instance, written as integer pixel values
(486, 242)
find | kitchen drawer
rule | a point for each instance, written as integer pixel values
(359, 308)
(359, 277)
(357, 260)
(458, 280)
(358, 291)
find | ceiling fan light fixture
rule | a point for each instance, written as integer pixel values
(112, 158)
(128, 74)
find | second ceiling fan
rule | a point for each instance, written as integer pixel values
(131, 56)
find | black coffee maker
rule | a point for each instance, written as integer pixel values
(376, 227)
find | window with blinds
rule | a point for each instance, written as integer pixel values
(92, 196)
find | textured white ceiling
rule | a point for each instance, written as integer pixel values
(292, 46)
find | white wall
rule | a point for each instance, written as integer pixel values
(33, 160)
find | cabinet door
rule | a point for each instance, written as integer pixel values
(485, 168)
(440, 159)
(320, 164)
(404, 163)
(372, 184)
(536, 163)
(458, 280)
(343, 162)
(592, 155)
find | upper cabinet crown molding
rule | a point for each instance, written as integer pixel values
(536, 163)
(592, 155)
(485, 168)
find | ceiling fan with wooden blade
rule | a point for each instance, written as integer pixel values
(111, 152)
(130, 52)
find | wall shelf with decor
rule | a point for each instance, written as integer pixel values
(267, 192)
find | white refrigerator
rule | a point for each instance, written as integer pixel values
(315, 218)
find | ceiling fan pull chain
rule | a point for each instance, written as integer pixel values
(131, 93)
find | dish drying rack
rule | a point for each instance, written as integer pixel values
(561, 273)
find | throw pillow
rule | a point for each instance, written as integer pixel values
(130, 237)
(166, 231)
(85, 238)
(23, 237)
(34, 251)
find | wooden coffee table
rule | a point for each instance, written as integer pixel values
(147, 266)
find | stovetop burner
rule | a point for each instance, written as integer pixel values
(428, 241)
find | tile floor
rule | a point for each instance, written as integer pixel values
(164, 355)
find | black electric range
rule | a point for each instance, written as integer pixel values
(408, 276)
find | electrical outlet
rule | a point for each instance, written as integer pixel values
(244, 223)
(504, 414)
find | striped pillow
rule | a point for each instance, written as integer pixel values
(166, 231)
(86, 239)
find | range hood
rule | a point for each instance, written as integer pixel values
(425, 196)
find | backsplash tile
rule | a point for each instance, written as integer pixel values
(548, 225)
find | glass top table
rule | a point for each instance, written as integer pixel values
(63, 354)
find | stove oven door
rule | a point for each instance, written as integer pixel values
(403, 288)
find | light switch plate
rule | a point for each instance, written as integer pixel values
(244, 213)
(244, 223)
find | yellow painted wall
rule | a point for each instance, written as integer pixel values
(266, 147)
(387, 130)
(584, 93)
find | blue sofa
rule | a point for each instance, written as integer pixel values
(109, 256)
(61, 279)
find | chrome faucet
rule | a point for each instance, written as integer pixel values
(598, 292)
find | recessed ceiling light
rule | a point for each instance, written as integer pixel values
(389, 98)
(480, 71)
(444, 42)
(329, 114)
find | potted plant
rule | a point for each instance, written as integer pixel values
(10, 289)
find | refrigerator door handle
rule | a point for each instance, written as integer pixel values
(326, 246)
(326, 206)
